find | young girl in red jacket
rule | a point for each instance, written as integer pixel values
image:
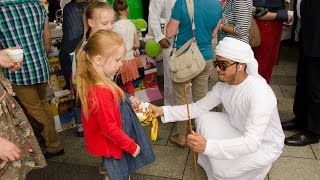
(111, 128)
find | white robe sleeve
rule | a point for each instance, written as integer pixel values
(155, 9)
(259, 113)
(179, 113)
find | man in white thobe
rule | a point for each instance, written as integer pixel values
(242, 141)
(161, 9)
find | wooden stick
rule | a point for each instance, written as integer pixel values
(190, 128)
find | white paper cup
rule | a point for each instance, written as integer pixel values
(16, 55)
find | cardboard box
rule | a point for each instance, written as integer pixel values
(57, 82)
(54, 64)
(61, 106)
(150, 78)
(147, 89)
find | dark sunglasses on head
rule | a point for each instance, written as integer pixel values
(222, 66)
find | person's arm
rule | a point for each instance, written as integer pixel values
(136, 41)
(155, 9)
(264, 14)
(227, 28)
(179, 113)
(108, 118)
(269, 16)
(243, 11)
(281, 15)
(8, 150)
(260, 112)
(172, 28)
(174, 22)
(47, 37)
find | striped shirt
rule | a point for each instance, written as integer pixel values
(237, 13)
(22, 24)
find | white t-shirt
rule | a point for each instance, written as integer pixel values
(126, 29)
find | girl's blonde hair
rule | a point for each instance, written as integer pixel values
(89, 14)
(105, 43)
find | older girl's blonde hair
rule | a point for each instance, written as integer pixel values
(89, 14)
(105, 43)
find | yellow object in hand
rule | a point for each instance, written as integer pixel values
(154, 129)
(145, 117)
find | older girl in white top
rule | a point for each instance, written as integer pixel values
(126, 29)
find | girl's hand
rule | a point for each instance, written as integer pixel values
(135, 102)
(156, 111)
(136, 153)
(8, 150)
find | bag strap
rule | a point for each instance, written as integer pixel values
(190, 6)
(184, 47)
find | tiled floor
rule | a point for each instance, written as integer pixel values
(173, 163)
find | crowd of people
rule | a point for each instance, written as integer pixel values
(99, 66)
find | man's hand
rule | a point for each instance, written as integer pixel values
(164, 43)
(135, 102)
(8, 150)
(156, 111)
(196, 142)
(6, 62)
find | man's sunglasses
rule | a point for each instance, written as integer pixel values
(222, 66)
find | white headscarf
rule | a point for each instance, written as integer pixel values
(238, 51)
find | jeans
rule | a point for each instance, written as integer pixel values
(77, 116)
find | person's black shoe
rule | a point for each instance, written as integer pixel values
(301, 139)
(289, 125)
(80, 134)
(49, 155)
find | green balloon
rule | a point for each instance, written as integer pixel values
(153, 48)
(140, 24)
(134, 21)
